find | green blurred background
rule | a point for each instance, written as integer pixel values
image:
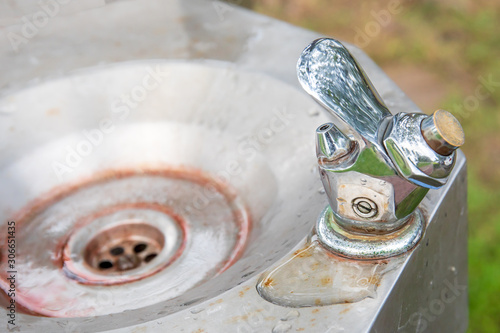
(439, 53)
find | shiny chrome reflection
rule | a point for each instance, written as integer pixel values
(377, 173)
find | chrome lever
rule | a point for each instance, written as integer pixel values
(376, 176)
(329, 73)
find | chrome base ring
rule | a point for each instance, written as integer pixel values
(362, 246)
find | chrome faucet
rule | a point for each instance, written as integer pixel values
(378, 170)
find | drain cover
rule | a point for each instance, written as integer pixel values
(124, 243)
(124, 247)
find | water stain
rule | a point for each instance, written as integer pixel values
(282, 327)
(293, 314)
(313, 276)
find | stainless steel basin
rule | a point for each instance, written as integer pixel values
(222, 153)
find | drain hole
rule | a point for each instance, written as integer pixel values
(116, 251)
(150, 257)
(105, 264)
(129, 244)
(140, 247)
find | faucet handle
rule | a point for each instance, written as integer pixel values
(330, 74)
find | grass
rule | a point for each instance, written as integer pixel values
(456, 43)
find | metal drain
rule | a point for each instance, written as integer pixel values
(127, 243)
(124, 247)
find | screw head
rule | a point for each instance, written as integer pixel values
(364, 207)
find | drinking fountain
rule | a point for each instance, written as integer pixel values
(374, 184)
(166, 171)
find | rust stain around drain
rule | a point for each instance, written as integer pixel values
(58, 193)
(241, 217)
(64, 260)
